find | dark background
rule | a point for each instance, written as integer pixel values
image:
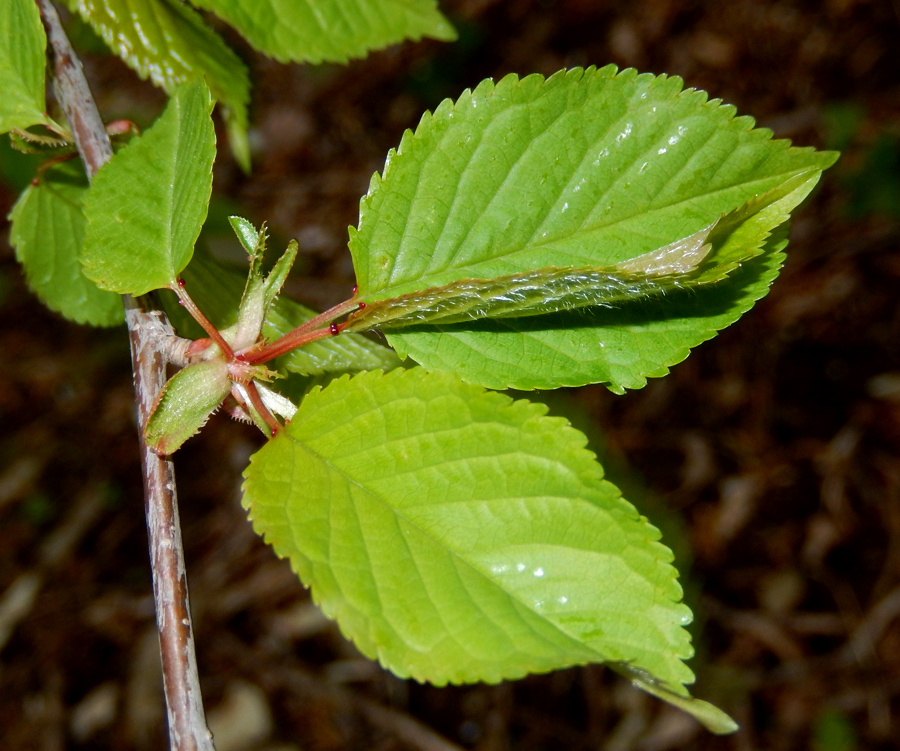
(771, 456)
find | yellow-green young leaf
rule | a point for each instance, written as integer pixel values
(47, 232)
(185, 404)
(589, 169)
(457, 535)
(22, 63)
(169, 43)
(316, 31)
(253, 240)
(260, 292)
(146, 206)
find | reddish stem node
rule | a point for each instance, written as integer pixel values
(190, 306)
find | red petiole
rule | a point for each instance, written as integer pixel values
(284, 345)
(191, 307)
(257, 402)
(318, 327)
(302, 335)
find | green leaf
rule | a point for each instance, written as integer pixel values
(217, 290)
(619, 347)
(169, 43)
(250, 238)
(147, 204)
(457, 535)
(22, 63)
(17, 169)
(259, 292)
(316, 31)
(278, 275)
(706, 257)
(255, 299)
(254, 242)
(186, 403)
(47, 232)
(588, 169)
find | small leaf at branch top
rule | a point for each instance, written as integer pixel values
(47, 232)
(587, 169)
(249, 237)
(259, 292)
(279, 273)
(254, 242)
(186, 403)
(22, 64)
(458, 536)
(146, 206)
(169, 43)
(316, 31)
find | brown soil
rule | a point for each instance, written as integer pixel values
(771, 456)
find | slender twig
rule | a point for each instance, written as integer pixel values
(187, 723)
(74, 95)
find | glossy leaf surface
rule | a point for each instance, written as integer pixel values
(22, 63)
(587, 169)
(147, 204)
(316, 31)
(47, 232)
(706, 257)
(169, 43)
(457, 535)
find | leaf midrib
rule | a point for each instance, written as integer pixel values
(447, 276)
